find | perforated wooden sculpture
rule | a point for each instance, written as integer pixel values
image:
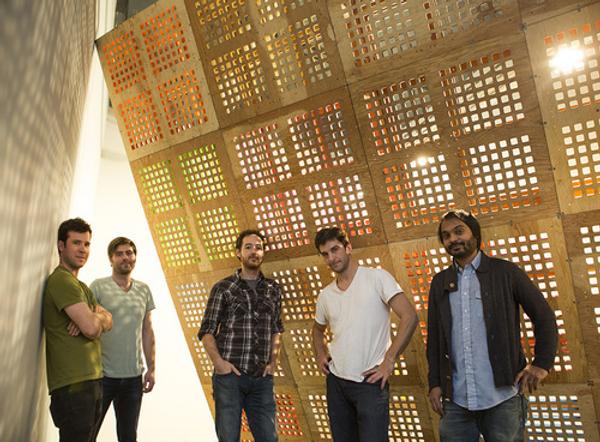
(378, 116)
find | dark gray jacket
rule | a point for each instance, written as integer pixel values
(504, 287)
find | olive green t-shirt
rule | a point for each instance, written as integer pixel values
(69, 359)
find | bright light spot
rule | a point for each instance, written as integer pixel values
(422, 161)
(567, 59)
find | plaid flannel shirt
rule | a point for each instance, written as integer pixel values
(243, 323)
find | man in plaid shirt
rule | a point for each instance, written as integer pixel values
(241, 332)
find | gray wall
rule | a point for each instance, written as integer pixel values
(45, 52)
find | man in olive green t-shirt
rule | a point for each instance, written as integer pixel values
(73, 322)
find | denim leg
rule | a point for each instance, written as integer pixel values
(76, 410)
(506, 421)
(127, 403)
(110, 387)
(458, 424)
(342, 414)
(259, 403)
(373, 411)
(228, 406)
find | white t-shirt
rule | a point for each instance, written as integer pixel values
(359, 319)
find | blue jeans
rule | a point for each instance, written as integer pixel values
(76, 409)
(254, 395)
(503, 423)
(126, 396)
(358, 411)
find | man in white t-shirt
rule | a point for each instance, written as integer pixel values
(361, 356)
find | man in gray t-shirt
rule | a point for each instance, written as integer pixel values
(131, 303)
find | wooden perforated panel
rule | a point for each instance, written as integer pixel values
(378, 116)
(156, 80)
(565, 55)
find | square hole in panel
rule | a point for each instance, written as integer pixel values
(562, 360)
(573, 56)
(590, 240)
(192, 298)
(302, 351)
(340, 202)
(401, 116)
(317, 404)
(176, 243)
(418, 192)
(280, 218)
(321, 139)
(420, 267)
(500, 175)
(405, 422)
(183, 104)
(221, 20)
(298, 56)
(270, 10)
(140, 118)
(202, 173)
(555, 418)
(288, 424)
(158, 187)
(121, 57)
(240, 78)
(219, 229)
(582, 153)
(482, 93)
(378, 29)
(374, 262)
(300, 288)
(445, 17)
(262, 156)
(166, 45)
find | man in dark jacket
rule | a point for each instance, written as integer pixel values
(477, 369)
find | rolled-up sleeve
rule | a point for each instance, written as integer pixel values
(215, 308)
(277, 322)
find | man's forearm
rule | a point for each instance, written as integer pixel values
(149, 347)
(210, 345)
(319, 343)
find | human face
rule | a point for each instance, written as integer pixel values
(458, 240)
(123, 260)
(252, 253)
(336, 256)
(75, 251)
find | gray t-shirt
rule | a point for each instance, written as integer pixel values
(122, 346)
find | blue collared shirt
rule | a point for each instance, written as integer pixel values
(472, 376)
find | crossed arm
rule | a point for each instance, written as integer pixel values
(90, 323)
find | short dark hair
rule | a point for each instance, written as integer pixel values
(120, 241)
(245, 233)
(465, 217)
(72, 225)
(329, 234)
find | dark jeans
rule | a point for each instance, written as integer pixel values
(358, 411)
(503, 423)
(126, 396)
(254, 395)
(76, 410)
